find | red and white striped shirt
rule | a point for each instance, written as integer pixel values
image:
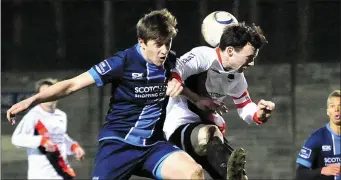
(34, 129)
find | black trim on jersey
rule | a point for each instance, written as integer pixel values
(53, 158)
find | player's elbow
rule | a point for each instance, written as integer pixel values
(71, 86)
(300, 172)
(79, 82)
(15, 141)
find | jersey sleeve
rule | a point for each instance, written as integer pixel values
(245, 107)
(23, 135)
(108, 70)
(193, 62)
(308, 152)
(70, 144)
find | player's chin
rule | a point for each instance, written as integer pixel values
(240, 70)
(337, 122)
(159, 61)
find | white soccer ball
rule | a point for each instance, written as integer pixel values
(213, 25)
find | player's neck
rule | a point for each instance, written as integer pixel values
(48, 108)
(142, 52)
(335, 128)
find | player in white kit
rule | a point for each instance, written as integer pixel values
(42, 131)
(194, 123)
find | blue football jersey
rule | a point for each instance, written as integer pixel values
(137, 105)
(320, 149)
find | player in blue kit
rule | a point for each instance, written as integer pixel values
(320, 155)
(131, 140)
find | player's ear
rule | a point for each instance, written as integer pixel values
(141, 43)
(229, 50)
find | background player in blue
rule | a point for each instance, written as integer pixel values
(319, 157)
(132, 141)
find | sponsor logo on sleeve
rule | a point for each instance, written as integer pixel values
(103, 67)
(187, 58)
(305, 153)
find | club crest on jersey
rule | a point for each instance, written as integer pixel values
(136, 75)
(305, 153)
(103, 67)
(326, 148)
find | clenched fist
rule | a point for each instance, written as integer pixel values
(174, 88)
(264, 110)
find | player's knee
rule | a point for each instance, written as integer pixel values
(201, 135)
(186, 167)
(196, 172)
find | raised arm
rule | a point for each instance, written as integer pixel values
(54, 92)
(64, 88)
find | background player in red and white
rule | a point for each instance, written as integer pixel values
(209, 76)
(42, 131)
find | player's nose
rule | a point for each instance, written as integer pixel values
(164, 49)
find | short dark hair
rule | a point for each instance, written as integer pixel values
(45, 81)
(158, 25)
(240, 34)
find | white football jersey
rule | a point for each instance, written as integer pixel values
(201, 70)
(35, 125)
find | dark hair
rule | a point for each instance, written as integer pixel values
(45, 81)
(158, 25)
(240, 34)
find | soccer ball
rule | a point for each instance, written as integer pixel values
(213, 25)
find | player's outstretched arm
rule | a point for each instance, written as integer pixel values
(52, 93)
(251, 112)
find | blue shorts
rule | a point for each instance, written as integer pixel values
(119, 160)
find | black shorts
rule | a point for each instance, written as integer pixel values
(182, 138)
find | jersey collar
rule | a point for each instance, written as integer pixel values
(223, 71)
(217, 50)
(331, 131)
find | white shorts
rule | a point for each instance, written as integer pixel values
(177, 115)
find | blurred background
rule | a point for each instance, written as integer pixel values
(297, 69)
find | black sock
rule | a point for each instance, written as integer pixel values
(218, 154)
